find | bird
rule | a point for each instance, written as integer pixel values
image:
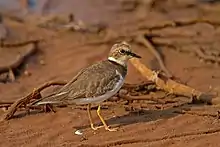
(95, 83)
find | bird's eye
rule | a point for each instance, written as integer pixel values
(122, 51)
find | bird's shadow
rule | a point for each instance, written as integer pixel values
(141, 115)
(22, 114)
(131, 117)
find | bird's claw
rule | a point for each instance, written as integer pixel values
(96, 128)
(111, 129)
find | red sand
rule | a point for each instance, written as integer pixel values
(64, 57)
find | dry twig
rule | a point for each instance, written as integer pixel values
(201, 54)
(25, 100)
(173, 87)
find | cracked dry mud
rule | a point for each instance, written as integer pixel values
(15, 49)
(12, 58)
(142, 123)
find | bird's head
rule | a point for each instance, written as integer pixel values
(121, 53)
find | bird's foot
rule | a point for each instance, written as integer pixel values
(111, 129)
(106, 128)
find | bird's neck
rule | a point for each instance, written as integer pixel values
(120, 62)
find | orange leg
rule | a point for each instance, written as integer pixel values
(103, 121)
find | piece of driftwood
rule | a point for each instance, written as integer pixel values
(172, 86)
(27, 99)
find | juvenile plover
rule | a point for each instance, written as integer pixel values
(95, 83)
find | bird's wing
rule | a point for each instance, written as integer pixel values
(95, 91)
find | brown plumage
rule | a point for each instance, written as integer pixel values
(95, 83)
(91, 82)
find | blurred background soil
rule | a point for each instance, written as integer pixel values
(190, 51)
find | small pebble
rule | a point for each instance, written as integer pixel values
(201, 60)
(27, 73)
(78, 132)
(42, 62)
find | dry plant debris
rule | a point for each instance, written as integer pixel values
(27, 99)
(172, 86)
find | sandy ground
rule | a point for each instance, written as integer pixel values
(65, 53)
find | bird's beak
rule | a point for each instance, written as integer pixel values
(134, 55)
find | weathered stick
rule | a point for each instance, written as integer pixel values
(173, 87)
(25, 100)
